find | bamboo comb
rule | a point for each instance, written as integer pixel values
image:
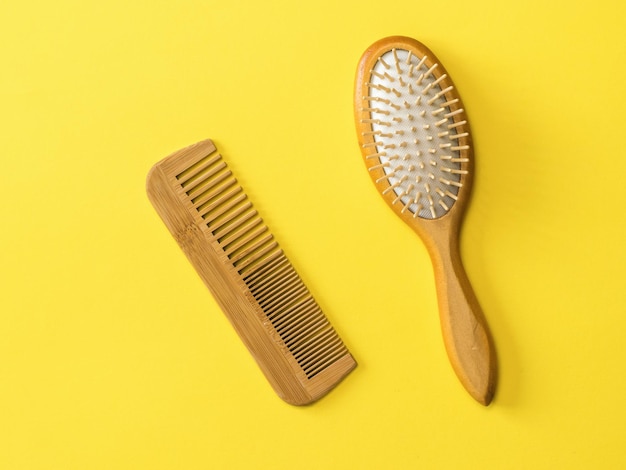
(416, 143)
(250, 277)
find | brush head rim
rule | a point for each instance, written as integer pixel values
(365, 66)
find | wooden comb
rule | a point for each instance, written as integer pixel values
(247, 272)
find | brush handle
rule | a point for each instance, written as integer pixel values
(465, 332)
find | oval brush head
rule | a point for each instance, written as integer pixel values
(416, 143)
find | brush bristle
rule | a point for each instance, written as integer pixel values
(414, 124)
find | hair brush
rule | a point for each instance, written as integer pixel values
(237, 257)
(416, 143)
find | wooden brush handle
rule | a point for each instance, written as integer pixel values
(465, 332)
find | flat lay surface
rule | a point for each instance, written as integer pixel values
(113, 354)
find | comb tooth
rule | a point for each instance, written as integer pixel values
(284, 300)
(252, 253)
(227, 200)
(202, 193)
(265, 275)
(225, 206)
(312, 342)
(246, 237)
(253, 246)
(317, 350)
(251, 269)
(321, 348)
(209, 192)
(323, 363)
(287, 310)
(313, 326)
(234, 235)
(305, 311)
(329, 349)
(320, 345)
(206, 179)
(189, 175)
(303, 307)
(222, 227)
(247, 264)
(266, 292)
(294, 317)
(288, 281)
(298, 313)
(278, 300)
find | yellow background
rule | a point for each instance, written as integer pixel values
(113, 355)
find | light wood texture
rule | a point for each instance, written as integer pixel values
(466, 336)
(250, 277)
